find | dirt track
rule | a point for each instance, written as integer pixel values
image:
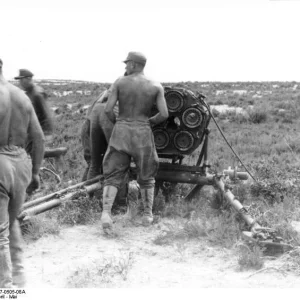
(66, 260)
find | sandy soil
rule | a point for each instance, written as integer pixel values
(82, 256)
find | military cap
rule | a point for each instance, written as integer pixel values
(24, 73)
(137, 57)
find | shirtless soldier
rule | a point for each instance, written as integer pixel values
(18, 122)
(132, 136)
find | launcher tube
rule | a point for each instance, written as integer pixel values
(60, 193)
(42, 207)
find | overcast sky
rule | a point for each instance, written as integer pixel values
(186, 40)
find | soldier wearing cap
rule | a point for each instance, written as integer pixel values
(18, 122)
(38, 99)
(132, 135)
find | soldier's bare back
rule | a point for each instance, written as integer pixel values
(136, 96)
(17, 117)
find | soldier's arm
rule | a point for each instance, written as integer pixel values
(44, 113)
(103, 97)
(35, 134)
(111, 102)
(161, 104)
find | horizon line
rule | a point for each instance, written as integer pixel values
(209, 81)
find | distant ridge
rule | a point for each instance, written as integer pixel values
(232, 83)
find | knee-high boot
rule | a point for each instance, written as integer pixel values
(109, 195)
(147, 198)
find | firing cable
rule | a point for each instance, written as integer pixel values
(224, 137)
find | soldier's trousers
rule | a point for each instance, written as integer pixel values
(131, 139)
(85, 141)
(15, 176)
(100, 131)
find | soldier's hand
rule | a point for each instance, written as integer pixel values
(34, 184)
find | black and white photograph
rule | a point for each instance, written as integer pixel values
(149, 149)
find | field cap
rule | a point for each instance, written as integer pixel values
(137, 57)
(23, 73)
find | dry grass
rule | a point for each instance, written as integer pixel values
(82, 210)
(290, 262)
(39, 226)
(101, 273)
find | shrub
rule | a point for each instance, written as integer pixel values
(258, 116)
(215, 112)
(219, 102)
